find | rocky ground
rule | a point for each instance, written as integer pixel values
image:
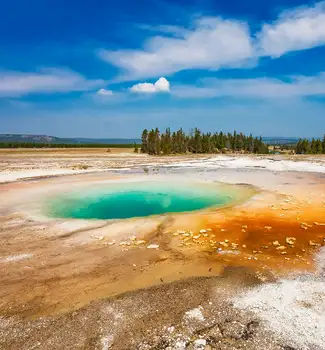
(192, 314)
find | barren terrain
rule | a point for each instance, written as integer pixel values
(171, 281)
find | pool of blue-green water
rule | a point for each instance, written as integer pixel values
(138, 199)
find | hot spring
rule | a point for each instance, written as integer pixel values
(139, 199)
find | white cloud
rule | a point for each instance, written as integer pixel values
(174, 30)
(13, 83)
(104, 92)
(143, 88)
(211, 44)
(296, 86)
(161, 85)
(298, 29)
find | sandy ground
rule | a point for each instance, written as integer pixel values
(215, 279)
(17, 164)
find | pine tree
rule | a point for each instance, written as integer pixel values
(196, 142)
(318, 146)
(156, 142)
(167, 143)
(151, 142)
(313, 146)
(306, 146)
(299, 149)
(144, 141)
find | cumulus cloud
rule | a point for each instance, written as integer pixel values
(13, 83)
(298, 29)
(104, 92)
(295, 86)
(161, 85)
(212, 43)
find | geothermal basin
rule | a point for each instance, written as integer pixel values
(140, 199)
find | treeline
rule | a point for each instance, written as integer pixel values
(315, 146)
(61, 145)
(154, 142)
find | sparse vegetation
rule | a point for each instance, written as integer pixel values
(62, 145)
(80, 167)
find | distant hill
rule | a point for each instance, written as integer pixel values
(25, 138)
(280, 140)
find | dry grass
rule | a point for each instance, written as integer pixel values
(82, 150)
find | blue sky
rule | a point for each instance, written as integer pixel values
(111, 68)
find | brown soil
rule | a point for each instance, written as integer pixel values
(155, 318)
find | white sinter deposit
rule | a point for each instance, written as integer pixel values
(13, 258)
(245, 162)
(294, 309)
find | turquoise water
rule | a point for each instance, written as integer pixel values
(138, 199)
